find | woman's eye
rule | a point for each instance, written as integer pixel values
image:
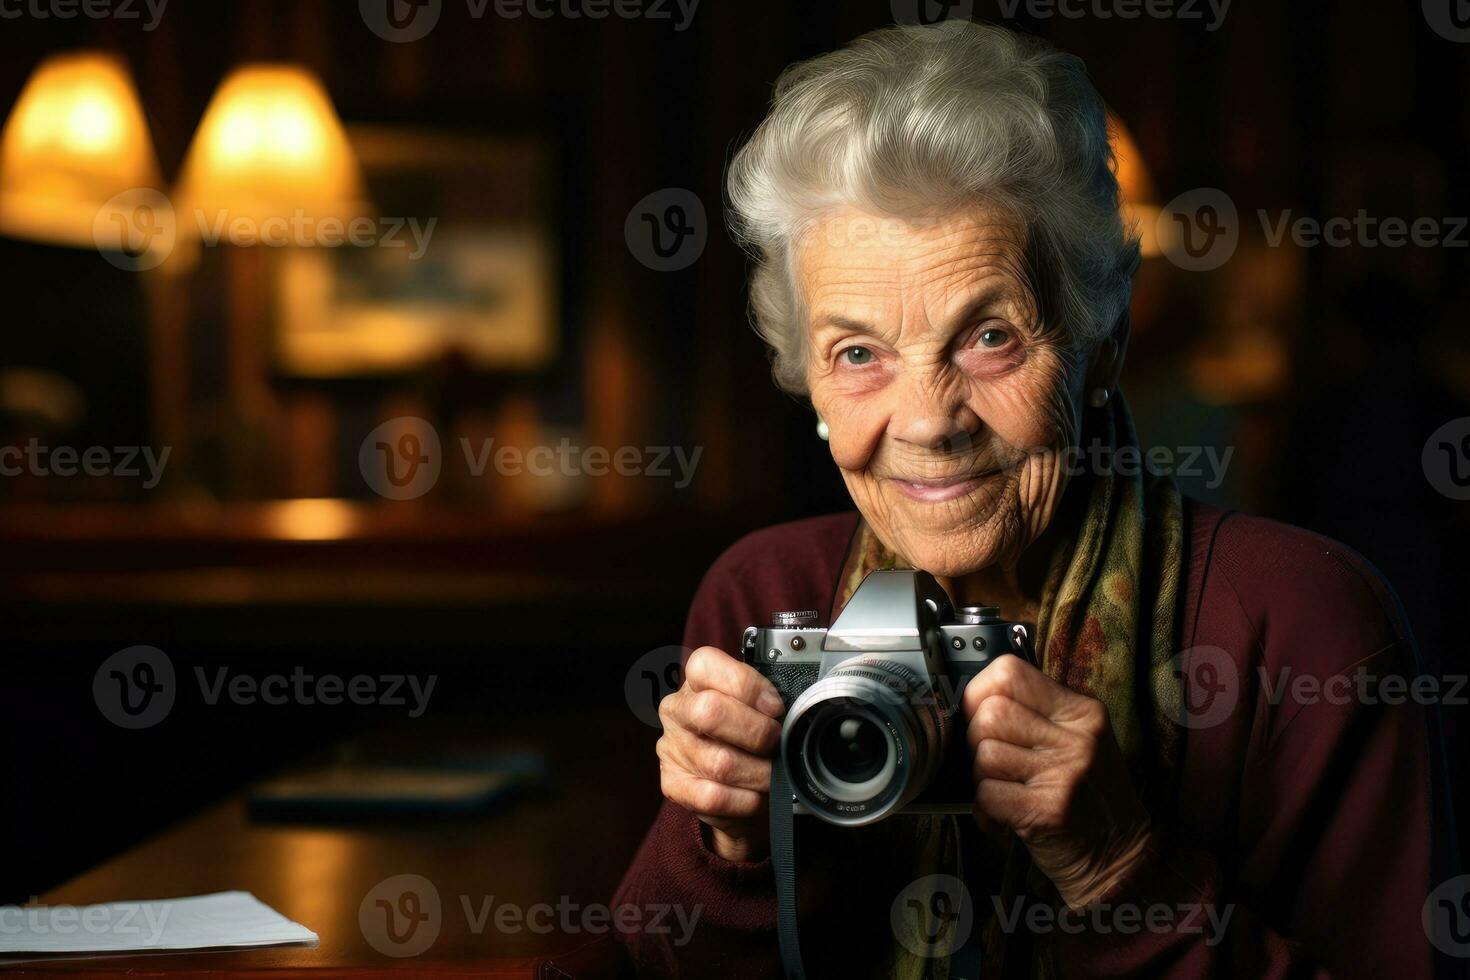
(994, 337)
(857, 355)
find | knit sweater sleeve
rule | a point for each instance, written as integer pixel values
(732, 903)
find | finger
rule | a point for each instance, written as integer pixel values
(1004, 802)
(717, 715)
(993, 829)
(712, 669)
(716, 761)
(1007, 720)
(716, 804)
(997, 759)
(1016, 679)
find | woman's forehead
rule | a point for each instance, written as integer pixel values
(856, 267)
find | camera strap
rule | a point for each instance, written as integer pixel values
(966, 961)
(783, 865)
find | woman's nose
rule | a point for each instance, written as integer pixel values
(939, 424)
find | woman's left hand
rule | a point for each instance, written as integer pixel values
(1048, 767)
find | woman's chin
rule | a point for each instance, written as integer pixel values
(949, 537)
(951, 551)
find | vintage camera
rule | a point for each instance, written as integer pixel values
(872, 725)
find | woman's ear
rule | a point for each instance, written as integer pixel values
(1106, 366)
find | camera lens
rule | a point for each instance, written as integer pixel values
(852, 748)
(864, 740)
(851, 755)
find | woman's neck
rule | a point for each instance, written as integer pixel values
(1015, 583)
(1005, 585)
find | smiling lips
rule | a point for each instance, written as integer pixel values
(938, 489)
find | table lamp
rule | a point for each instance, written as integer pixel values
(268, 165)
(1140, 205)
(75, 145)
(270, 146)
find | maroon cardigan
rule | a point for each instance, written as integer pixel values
(1309, 822)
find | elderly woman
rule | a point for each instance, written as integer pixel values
(941, 268)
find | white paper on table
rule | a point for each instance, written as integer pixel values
(223, 919)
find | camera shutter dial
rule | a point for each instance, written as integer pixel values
(975, 615)
(796, 619)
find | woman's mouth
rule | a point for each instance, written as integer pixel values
(937, 489)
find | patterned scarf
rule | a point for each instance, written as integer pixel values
(1105, 629)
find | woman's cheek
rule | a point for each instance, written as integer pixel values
(1028, 410)
(854, 429)
(1017, 417)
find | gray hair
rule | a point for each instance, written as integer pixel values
(911, 122)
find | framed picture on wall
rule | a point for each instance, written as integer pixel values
(466, 268)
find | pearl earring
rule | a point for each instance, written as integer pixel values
(1099, 397)
(822, 431)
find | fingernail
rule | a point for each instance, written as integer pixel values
(770, 702)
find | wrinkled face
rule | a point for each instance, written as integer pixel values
(946, 401)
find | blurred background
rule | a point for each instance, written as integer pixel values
(285, 275)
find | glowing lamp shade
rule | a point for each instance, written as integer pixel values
(270, 147)
(1140, 206)
(75, 140)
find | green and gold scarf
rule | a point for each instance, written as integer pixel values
(1106, 629)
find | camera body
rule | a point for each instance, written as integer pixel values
(872, 726)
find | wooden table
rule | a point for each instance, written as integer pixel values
(567, 848)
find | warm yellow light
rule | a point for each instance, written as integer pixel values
(270, 147)
(74, 142)
(311, 519)
(1140, 206)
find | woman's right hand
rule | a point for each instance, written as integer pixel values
(720, 732)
